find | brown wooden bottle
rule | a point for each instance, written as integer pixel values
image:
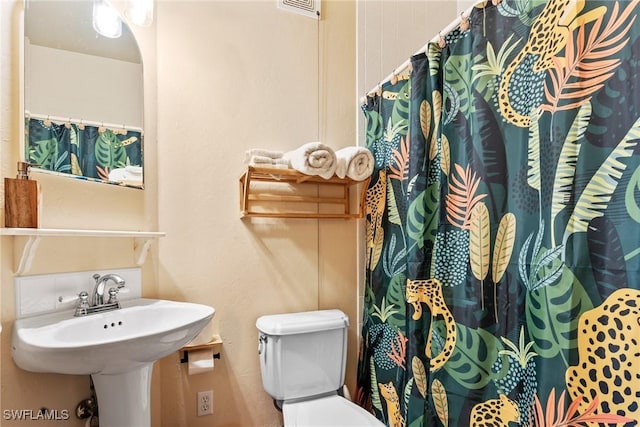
(21, 200)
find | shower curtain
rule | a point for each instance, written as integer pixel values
(503, 223)
(81, 150)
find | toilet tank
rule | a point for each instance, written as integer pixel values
(302, 354)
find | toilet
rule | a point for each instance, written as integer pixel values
(302, 361)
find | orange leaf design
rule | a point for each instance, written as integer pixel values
(585, 66)
(400, 170)
(103, 173)
(461, 198)
(571, 418)
(398, 350)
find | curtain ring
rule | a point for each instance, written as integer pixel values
(394, 78)
(496, 2)
(379, 90)
(441, 41)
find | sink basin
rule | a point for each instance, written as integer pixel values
(117, 348)
(142, 331)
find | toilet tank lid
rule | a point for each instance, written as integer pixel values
(302, 322)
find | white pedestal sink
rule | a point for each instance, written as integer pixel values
(117, 348)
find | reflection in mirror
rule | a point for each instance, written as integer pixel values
(83, 94)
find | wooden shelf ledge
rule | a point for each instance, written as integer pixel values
(215, 343)
(340, 203)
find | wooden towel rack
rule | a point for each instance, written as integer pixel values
(274, 190)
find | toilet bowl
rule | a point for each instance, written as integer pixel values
(327, 411)
(302, 362)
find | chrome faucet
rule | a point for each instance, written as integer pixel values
(97, 296)
(97, 303)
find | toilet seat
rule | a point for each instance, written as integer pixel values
(327, 411)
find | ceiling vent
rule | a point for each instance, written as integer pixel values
(310, 8)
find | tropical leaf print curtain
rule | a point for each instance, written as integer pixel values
(81, 150)
(503, 224)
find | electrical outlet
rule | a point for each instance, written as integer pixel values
(205, 403)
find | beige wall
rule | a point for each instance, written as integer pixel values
(234, 76)
(68, 203)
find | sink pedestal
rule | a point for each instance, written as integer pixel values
(124, 399)
(116, 347)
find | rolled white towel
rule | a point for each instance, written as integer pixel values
(313, 158)
(259, 152)
(354, 162)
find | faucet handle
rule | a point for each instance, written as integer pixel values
(96, 277)
(113, 295)
(83, 304)
(83, 299)
(64, 299)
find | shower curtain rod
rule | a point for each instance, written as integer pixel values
(81, 122)
(456, 22)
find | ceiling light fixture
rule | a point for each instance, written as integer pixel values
(106, 20)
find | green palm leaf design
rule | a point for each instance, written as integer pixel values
(434, 53)
(475, 351)
(519, 9)
(384, 311)
(393, 215)
(552, 314)
(374, 125)
(565, 173)
(521, 352)
(436, 98)
(630, 196)
(400, 112)
(110, 153)
(484, 74)
(543, 267)
(595, 198)
(375, 394)
(453, 100)
(458, 86)
(395, 128)
(44, 153)
(394, 261)
(422, 217)
(407, 395)
(397, 307)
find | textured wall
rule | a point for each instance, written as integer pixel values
(233, 76)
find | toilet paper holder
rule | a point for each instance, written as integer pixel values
(215, 342)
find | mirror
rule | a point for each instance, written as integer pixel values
(84, 104)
